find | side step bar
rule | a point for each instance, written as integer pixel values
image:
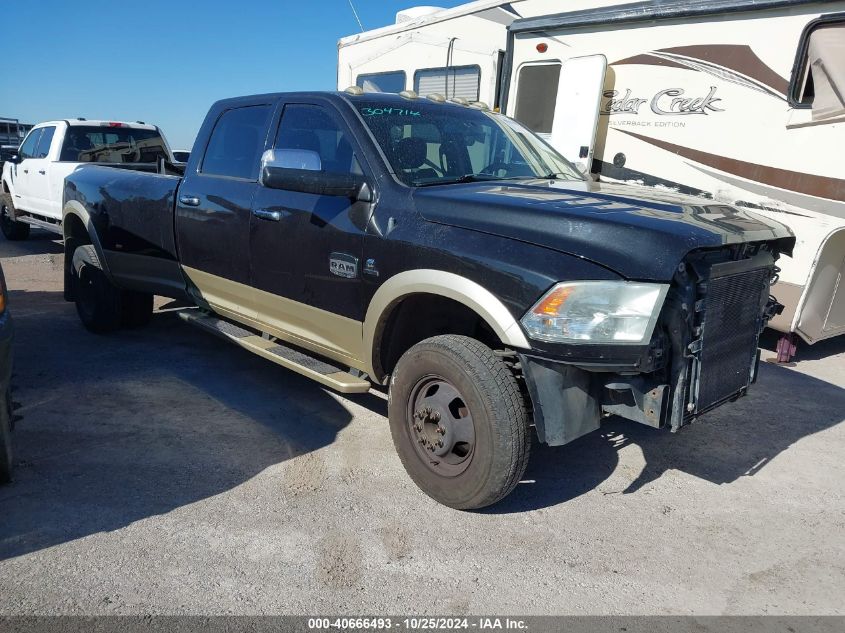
(323, 371)
(55, 226)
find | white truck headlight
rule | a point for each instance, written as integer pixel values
(616, 312)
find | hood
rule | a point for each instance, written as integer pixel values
(638, 232)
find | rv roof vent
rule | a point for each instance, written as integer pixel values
(407, 15)
(409, 94)
(480, 105)
(439, 98)
(459, 101)
(355, 91)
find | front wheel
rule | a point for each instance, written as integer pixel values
(459, 422)
(12, 229)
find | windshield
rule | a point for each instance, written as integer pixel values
(431, 144)
(109, 144)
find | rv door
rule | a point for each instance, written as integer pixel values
(577, 109)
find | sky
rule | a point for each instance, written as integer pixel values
(166, 61)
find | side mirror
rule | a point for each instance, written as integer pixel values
(15, 159)
(300, 170)
(291, 159)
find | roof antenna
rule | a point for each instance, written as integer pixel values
(355, 13)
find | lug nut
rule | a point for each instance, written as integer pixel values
(441, 430)
(435, 417)
(440, 443)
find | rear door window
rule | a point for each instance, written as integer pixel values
(236, 143)
(44, 143)
(28, 148)
(536, 95)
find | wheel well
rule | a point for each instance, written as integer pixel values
(420, 316)
(76, 235)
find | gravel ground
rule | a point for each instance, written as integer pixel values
(163, 471)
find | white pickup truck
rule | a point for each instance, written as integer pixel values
(33, 179)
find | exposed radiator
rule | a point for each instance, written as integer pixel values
(731, 319)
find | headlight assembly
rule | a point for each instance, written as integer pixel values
(589, 312)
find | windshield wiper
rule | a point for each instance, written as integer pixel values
(464, 178)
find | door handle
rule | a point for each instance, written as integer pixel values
(189, 201)
(264, 214)
(42, 172)
(26, 171)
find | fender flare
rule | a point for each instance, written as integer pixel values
(437, 282)
(76, 208)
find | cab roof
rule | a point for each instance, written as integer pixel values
(98, 123)
(390, 98)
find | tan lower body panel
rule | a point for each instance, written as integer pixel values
(319, 331)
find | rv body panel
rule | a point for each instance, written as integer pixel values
(418, 48)
(706, 106)
(577, 108)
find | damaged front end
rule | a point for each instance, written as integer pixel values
(703, 352)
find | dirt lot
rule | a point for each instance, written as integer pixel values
(162, 470)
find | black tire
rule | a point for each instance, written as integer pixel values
(98, 301)
(136, 309)
(426, 419)
(12, 230)
(6, 438)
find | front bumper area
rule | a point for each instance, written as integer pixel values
(570, 401)
(702, 354)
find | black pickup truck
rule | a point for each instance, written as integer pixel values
(442, 251)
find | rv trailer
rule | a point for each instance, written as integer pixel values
(738, 101)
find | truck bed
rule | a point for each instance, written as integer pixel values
(133, 214)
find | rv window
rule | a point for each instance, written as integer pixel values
(536, 95)
(455, 82)
(821, 83)
(382, 82)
